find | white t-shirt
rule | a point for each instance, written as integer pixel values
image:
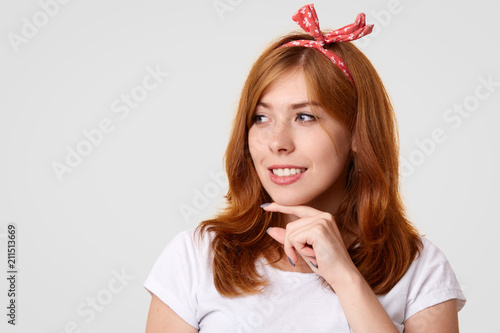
(293, 302)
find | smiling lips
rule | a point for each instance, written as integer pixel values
(285, 174)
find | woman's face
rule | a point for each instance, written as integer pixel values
(297, 161)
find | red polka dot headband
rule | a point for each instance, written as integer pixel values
(307, 19)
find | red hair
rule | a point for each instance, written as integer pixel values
(385, 242)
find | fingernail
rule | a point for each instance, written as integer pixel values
(267, 230)
(265, 204)
(290, 260)
(313, 264)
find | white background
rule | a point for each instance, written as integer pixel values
(123, 202)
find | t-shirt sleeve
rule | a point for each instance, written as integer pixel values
(175, 276)
(434, 282)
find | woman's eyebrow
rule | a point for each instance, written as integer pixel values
(293, 106)
(264, 105)
(301, 105)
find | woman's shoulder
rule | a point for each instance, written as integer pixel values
(429, 259)
(181, 272)
(430, 255)
(431, 278)
(188, 255)
(429, 263)
(193, 243)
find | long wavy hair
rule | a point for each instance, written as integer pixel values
(371, 212)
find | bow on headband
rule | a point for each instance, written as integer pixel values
(307, 19)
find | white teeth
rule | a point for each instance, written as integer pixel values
(287, 172)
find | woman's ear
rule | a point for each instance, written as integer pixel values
(354, 145)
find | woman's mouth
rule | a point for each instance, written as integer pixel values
(287, 171)
(285, 175)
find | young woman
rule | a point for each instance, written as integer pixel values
(314, 236)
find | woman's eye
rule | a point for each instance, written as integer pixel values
(258, 118)
(304, 117)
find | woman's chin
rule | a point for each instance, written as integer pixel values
(289, 201)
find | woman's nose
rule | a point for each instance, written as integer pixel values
(281, 139)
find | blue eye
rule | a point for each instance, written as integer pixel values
(304, 117)
(258, 118)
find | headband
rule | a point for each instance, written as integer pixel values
(307, 19)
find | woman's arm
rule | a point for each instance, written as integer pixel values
(440, 318)
(162, 319)
(316, 238)
(360, 304)
(358, 298)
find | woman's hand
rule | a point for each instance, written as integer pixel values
(315, 237)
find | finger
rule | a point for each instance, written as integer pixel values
(308, 254)
(304, 240)
(277, 233)
(305, 250)
(300, 238)
(313, 263)
(299, 211)
(290, 250)
(293, 244)
(296, 231)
